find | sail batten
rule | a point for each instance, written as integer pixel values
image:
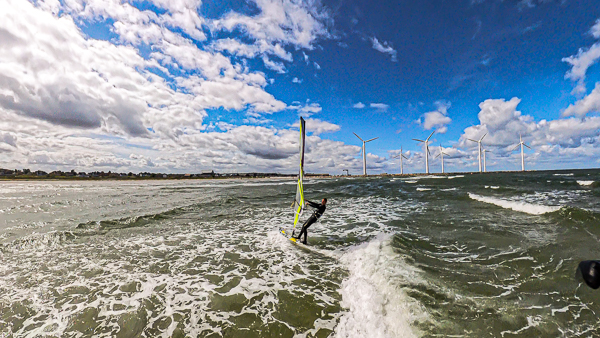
(298, 204)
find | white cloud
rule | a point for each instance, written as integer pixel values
(497, 114)
(435, 119)
(568, 133)
(108, 86)
(273, 65)
(596, 30)
(183, 14)
(359, 105)
(379, 106)
(8, 142)
(384, 48)
(589, 104)
(279, 23)
(235, 47)
(438, 118)
(234, 148)
(97, 90)
(9, 139)
(141, 160)
(581, 62)
(136, 26)
(584, 59)
(504, 124)
(318, 127)
(310, 109)
(306, 110)
(70, 101)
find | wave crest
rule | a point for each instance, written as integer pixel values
(533, 209)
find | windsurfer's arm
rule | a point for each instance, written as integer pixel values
(312, 204)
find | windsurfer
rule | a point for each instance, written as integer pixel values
(319, 210)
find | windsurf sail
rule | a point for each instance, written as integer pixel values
(298, 204)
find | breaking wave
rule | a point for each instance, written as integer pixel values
(533, 209)
(376, 307)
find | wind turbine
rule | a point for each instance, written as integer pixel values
(401, 162)
(364, 153)
(426, 142)
(479, 154)
(521, 143)
(442, 153)
(484, 166)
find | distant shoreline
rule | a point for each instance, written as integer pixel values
(262, 177)
(128, 179)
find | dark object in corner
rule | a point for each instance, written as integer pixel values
(590, 272)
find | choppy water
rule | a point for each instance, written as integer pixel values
(464, 256)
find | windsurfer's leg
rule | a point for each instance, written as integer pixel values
(305, 227)
(302, 232)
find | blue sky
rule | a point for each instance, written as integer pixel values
(190, 85)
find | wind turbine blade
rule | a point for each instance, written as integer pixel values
(527, 146)
(472, 140)
(357, 136)
(516, 147)
(416, 139)
(438, 155)
(428, 151)
(433, 132)
(405, 157)
(372, 139)
(482, 137)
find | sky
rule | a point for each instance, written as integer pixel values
(183, 86)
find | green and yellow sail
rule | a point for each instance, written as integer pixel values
(298, 204)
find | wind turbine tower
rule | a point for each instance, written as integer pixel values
(521, 143)
(479, 154)
(364, 152)
(442, 153)
(426, 142)
(401, 156)
(484, 166)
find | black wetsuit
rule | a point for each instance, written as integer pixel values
(320, 209)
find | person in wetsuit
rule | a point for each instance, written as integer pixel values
(319, 210)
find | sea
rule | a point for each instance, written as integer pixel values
(460, 255)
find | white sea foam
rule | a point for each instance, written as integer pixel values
(423, 189)
(376, 307)
(411, 182)
(532, 322)
(585, 183)
(413, 178)
(457, 176)
(571, 174)
(529, 208)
